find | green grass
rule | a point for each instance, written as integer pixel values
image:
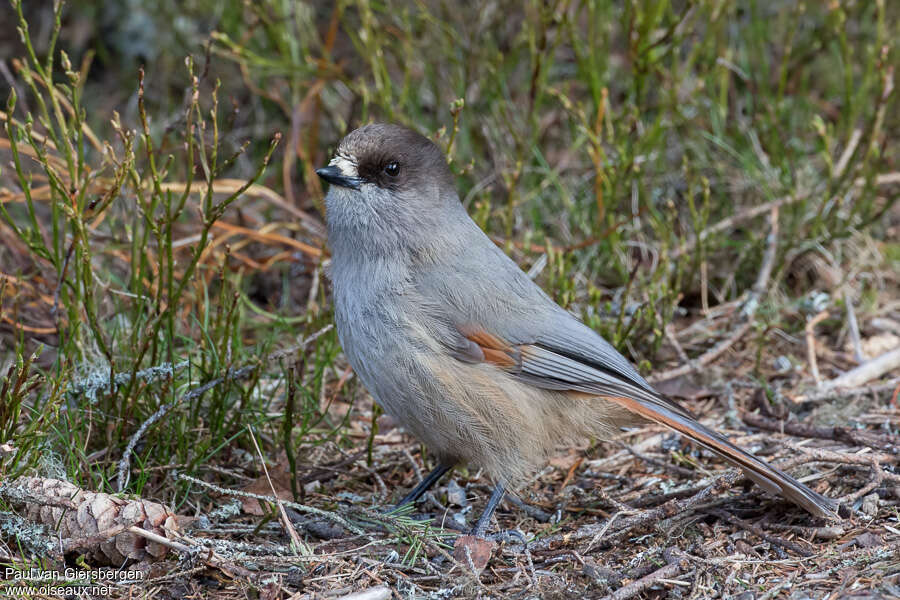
(599, 137)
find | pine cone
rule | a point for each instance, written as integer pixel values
(94, 523)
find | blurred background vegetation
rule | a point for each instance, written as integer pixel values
(627, 154)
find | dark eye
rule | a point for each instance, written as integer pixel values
(392, 169)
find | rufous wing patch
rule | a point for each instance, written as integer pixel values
(495, 350)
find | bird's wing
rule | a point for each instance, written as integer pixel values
(507, 320)
(568, 357)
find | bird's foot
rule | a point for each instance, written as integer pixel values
(507, 535)
(475, 548)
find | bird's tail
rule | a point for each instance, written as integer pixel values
(557, 367)
(760, 472)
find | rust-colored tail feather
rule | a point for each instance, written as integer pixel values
(760, 472)
(555, 366)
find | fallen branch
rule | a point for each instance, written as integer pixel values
(707, 357)
(298, 544)
(124, 472)
(758, 531)
(810, 330)
(829, 456)
(676, 564)
(837, 392)
(337, 519)
(827, 532)
(867, 371)
(626, 525)
(855, 437)
(376, 593)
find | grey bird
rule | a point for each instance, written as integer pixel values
(455, 341)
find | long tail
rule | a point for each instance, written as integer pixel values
(554, 364)
(760, 472)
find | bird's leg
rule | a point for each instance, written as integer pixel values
(424, 485)
(485, 519)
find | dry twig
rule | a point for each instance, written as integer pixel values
(811, 344)
(124, 472)
(753, 298)
(676, 560)
(625, 526)
(758, 531)
(866, 372)
(855, 437)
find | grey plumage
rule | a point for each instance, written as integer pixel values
(454, 340)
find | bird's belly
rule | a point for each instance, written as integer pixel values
(463, 412)
(385, 360)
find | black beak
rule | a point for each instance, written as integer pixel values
(333, 175)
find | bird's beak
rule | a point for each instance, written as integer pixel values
(333, 175)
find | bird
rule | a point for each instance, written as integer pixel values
(455, 341)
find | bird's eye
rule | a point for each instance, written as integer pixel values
(392, 169)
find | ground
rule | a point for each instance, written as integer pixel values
(710, 186)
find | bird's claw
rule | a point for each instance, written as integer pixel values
(506, 535)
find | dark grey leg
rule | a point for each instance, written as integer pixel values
(485, 519)
(424, 485)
